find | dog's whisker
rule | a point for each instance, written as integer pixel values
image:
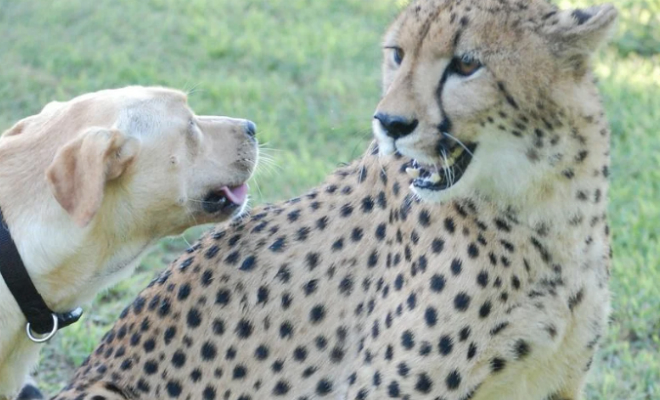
(268, 160)
(265, 146)
(256, 184)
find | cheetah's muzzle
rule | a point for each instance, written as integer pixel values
(445, 174)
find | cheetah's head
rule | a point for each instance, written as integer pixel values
(481, 94)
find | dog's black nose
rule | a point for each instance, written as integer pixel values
(251, 128)
(395, 126)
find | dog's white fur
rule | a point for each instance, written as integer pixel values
(86, 186)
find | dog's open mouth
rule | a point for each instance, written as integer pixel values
(446, 173)
(227, 199)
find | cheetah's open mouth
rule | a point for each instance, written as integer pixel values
(446, 173)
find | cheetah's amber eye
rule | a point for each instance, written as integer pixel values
(466, 65)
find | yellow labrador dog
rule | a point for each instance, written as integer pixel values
(86, 186)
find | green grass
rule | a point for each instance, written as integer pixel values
(307, 72)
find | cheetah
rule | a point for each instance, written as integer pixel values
(465, 256)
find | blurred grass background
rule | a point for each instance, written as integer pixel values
(307, 71)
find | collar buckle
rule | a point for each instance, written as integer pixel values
(36, 338)
(59, 321)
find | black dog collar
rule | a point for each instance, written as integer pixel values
(41, 319)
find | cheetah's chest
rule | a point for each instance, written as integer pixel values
(472, 311)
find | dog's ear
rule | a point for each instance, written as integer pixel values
(82, 167)
(25, 123)
(18, 128)
(576, 34)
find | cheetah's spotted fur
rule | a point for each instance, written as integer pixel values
(360, 290)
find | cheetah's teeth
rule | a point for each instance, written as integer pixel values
(413, 172)
(456, 153)
(453, 157)
(435, 178)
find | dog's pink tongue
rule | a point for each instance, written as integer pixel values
(236, 194)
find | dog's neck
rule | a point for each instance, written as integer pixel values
(52, 257)
(55, 251)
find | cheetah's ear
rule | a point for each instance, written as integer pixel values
(574, 35)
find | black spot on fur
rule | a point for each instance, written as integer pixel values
(522, 349)
(575, 299)
(424, 218)
(545, 254)
(248, 264)
(462, 301)
(453, 380)
(499, 328)
(497, 364)
(424, 384)
(446, 345)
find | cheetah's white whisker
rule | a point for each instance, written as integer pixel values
(459, 142)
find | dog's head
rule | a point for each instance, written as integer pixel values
(141, 154)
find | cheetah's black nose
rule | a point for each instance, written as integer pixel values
(396, 126)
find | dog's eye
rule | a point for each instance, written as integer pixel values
(397, 54)
(192, 126)
(466, 65)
